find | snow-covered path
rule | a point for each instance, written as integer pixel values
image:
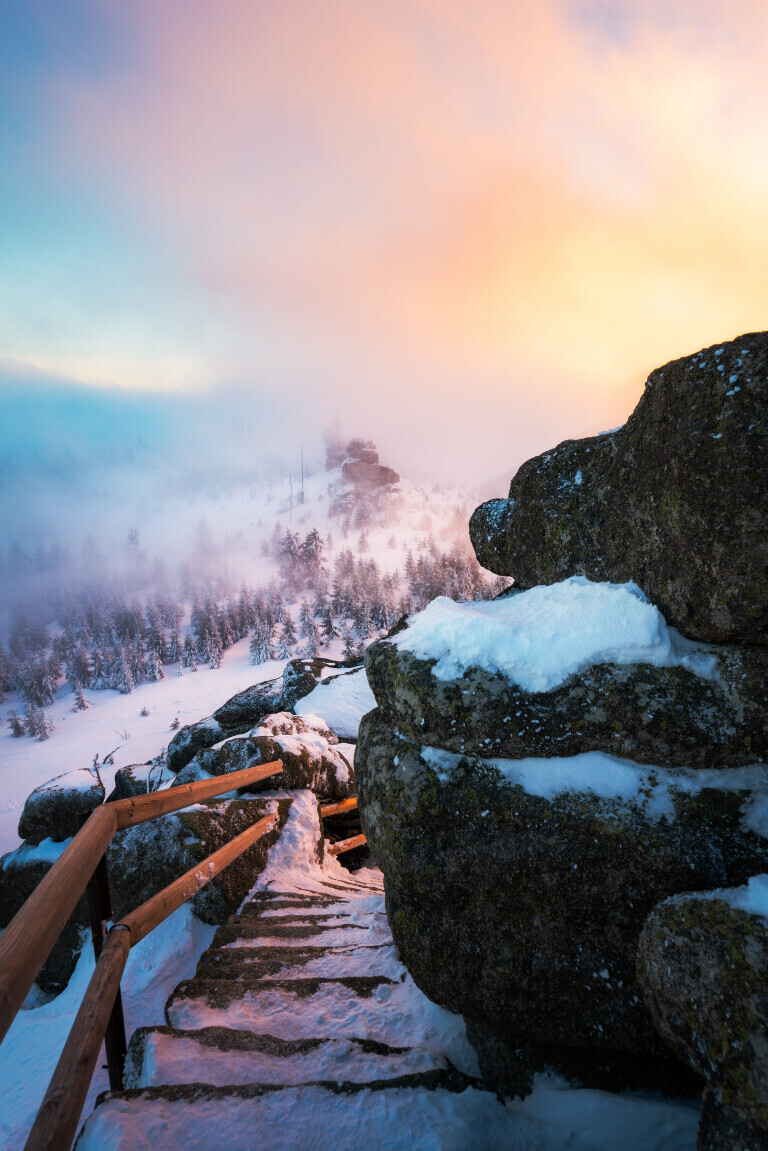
(301, 1028)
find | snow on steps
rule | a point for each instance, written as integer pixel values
(400, 1115)
(289, 1039)
(300, 1028)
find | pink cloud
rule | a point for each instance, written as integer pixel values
(450, 193)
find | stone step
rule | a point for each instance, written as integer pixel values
(276, 934)
(220, 993)
(381, 1115)
(263, 899)
(360, 1008)
(299, 962)
(223, 1057)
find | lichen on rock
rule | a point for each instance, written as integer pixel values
(523, 912)
(676, 499)
(703, 968)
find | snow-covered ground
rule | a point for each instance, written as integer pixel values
(31, 1048)
(114, 721)
(238, 530)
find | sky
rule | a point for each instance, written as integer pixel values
(468, 230)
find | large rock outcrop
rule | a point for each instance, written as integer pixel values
(656, 715)
(703, 967)
(676, 499)
(142, 860)
(244, 710)
(20, 872)
(51, 811)
(306, 747)
(545, 772)
(517, 892)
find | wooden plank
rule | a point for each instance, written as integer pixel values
(143, 807)
(346, 845)
(56, 1124)
(338, 808)
(145, 918)
(27, 941)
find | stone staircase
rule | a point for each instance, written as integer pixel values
(300, 1029)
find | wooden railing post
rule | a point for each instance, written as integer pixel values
(56, 1124)
(100, 911)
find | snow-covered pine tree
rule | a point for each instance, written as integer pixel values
(310, 647)
(363, 621)
(215, 651)
(246, 616)
(154, 633)
(306, 620)
(349, 644)
(36, 680)
(44, 727)
(284, 649)
(224, 629)
(189, 653)
(79, 667)
(17, 724)
(154, 672)
(136, 654)
(173, 654)
(32, 716)
(328, 630)
(81, 703)
(279, 611)
(311, 557)
(259, 647)
(122, 675)
(7, 671)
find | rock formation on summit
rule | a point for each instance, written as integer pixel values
(548, 778)
(676, 499)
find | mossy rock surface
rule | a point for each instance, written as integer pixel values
(51, 811)
(660, 715)
(676, 499)
(703, 967)
(308, 753)
(143, 860)
(20, 872)
(193, 737)
(524, 913)
(138, 779)
(310, 757)
(240, 713)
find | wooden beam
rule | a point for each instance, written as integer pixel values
(145, 918)
(27, 941)
(56, 1124)
(143, 807)
(338, 808)
(346, 845)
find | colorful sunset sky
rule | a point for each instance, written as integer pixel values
(468, 229)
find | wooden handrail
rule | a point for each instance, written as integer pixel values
(339, 808)
(27, 941)
(143, 807)
(146, 918)
(56, 1123)
(343, 845)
